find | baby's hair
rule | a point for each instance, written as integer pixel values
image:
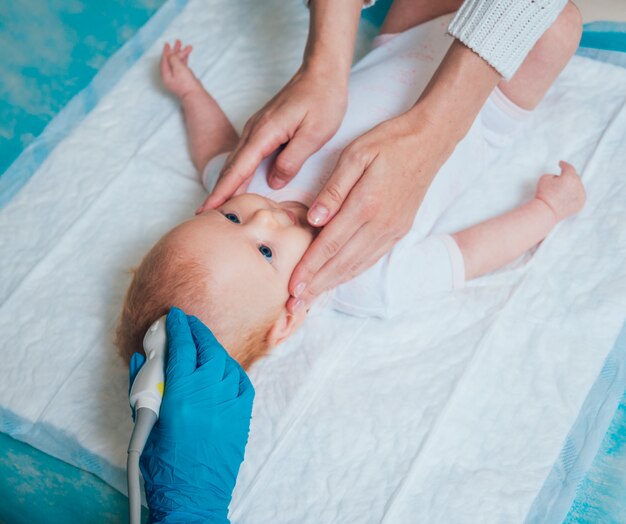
(165, 279)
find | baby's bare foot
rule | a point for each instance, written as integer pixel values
(564, 193)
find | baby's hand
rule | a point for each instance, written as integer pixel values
(175, 73)
(564, 193)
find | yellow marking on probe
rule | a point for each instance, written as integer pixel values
(161, 387)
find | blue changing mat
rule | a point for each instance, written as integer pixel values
(34, 487)
(52, 79)
(41, 70)
(600, 495)
(604, 41)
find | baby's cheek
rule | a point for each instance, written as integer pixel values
(300, 245)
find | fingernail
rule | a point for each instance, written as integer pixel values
(276, 182)
(299, 289)
(317, 214)
(297, 305)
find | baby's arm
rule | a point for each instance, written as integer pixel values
(208, 129)
(492, 244)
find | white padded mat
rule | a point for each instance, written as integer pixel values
(454, 413)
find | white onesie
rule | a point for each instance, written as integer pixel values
(385, 84)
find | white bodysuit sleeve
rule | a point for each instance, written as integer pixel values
(212, 171)
(413, 270)
(421, 268)
(503, 32)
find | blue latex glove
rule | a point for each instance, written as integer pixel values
(192, 458)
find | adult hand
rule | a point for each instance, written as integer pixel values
(305, 113)
(301, 118)
(372, 196)
(369, 201)
(192, 457)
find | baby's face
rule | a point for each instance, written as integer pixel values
(267, 234)
(251, 244)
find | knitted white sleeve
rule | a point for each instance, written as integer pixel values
(504, 31)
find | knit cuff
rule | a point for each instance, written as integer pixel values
(503, 32)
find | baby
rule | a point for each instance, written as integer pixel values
(231, 266)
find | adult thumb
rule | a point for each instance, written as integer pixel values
(290, 160)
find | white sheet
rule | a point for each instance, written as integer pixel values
(455, 413)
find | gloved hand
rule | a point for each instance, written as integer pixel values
(192, 457)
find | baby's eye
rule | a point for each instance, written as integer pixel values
(232, 217)
(266, 252)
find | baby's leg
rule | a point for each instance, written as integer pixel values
(208, 129)
(492, 244)
(546, 60)
(542, 65)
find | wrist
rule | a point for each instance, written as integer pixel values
(331, 74)
(187, 515)
(447, 101)
(205, 494)
(192, 91)
(432, 132)
(544, 207)
(164, 503)
(332, 34)
(321, 63)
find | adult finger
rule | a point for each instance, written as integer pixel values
(243, 163)
(289, 162)
(362, 251)
(327, 244)
(181, 357)
(349, 169)
(232, 374)
(211, 354)
(205, 393)
(246, 389)
(239, 191)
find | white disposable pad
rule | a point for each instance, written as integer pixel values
(456, 412)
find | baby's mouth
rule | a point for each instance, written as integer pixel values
(297, 213)
(292, 216)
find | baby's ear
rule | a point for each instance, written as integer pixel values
(285, 326)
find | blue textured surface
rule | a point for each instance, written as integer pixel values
(35, 487)
(376, 14)
(610, 36)
(51, 50)
(601, 494)
(604, 41)
(67, 65)
(566, 486)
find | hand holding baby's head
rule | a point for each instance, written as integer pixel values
(230, 267)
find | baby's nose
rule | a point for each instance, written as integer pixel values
(267, 218)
